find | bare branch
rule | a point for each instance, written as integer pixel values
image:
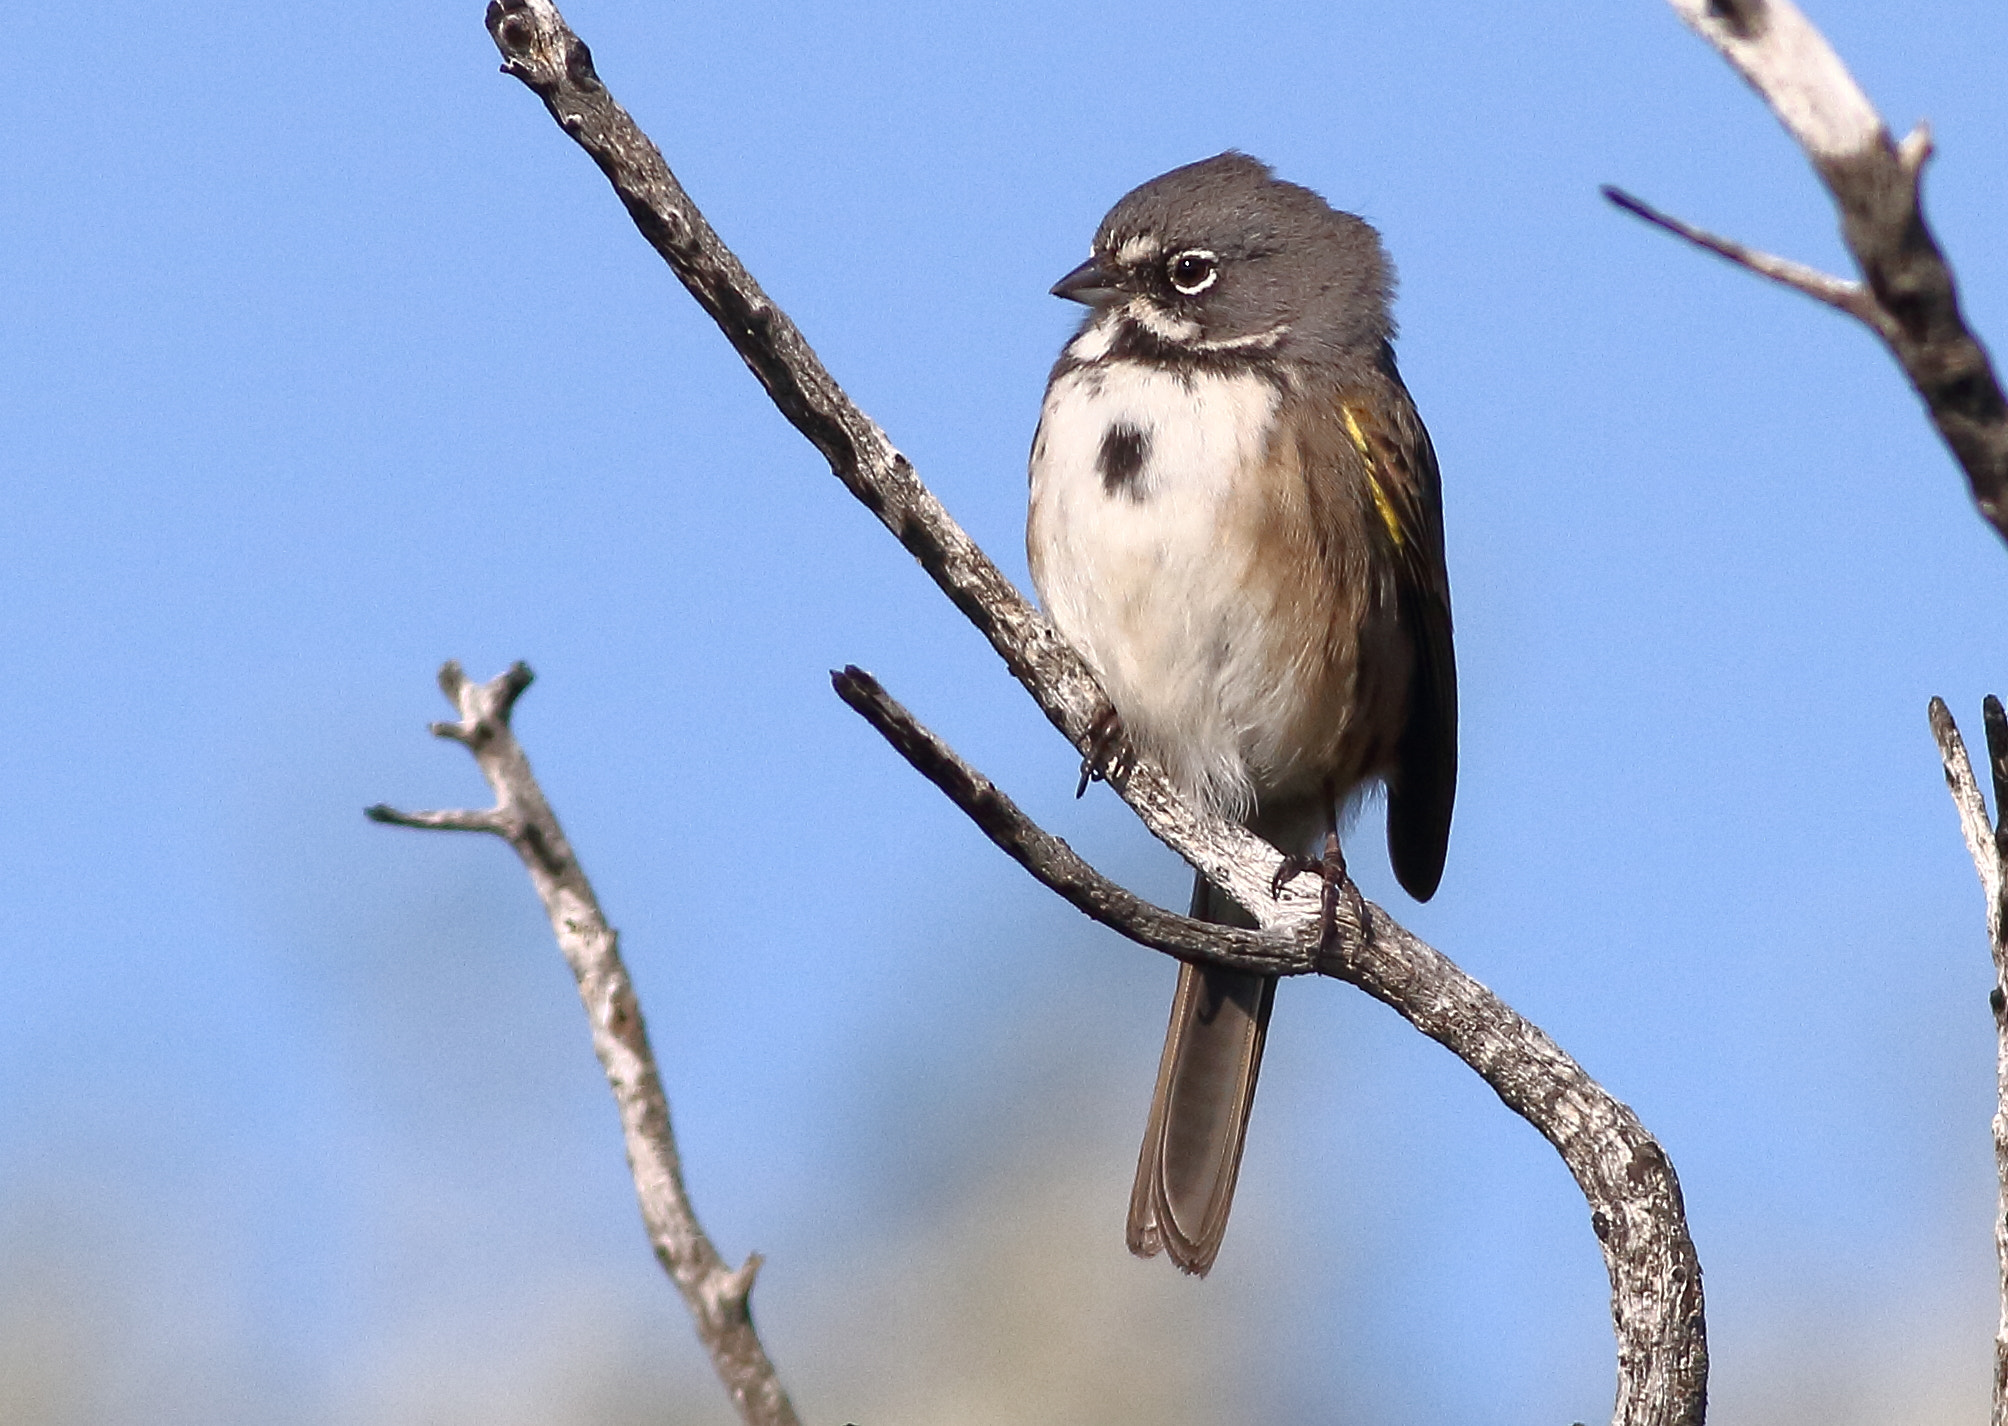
(1789, 63)
(1875, 184)
(1973, 823)
(716, 1295)
(1849, 297)
(541, 50)
(1057, 866)
(1989, 848)
(1636, 1208)
(458, 821)
(1634, 1198)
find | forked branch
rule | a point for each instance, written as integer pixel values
(1987, 843)
(1906, 294)
(716, 1295)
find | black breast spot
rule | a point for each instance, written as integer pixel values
(1125, 448)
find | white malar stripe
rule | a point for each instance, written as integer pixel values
(1254, 341)
(1095, 340)
(1140, 580)
(1161, 324)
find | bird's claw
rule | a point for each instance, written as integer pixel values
(1104, 736)
(1331, 869)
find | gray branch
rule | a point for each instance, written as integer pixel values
(1059, 868)
(1987, 843)
(1849, 297)
(1634, 1198)
(1907, 296)
(540, 49)
(716, 1295)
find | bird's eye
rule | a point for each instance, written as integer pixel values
(1193, 271)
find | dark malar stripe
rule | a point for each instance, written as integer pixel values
(1124, 451)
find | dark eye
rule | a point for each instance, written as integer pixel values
(1193, 270)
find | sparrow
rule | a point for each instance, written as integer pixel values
(1236, 520)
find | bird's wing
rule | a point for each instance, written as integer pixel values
(1407, 495)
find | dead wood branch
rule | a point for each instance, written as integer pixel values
(1906, 294)
(1987, 843)
(717, 1295)
(1633, 1195)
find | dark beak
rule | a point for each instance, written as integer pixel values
(1087, 284)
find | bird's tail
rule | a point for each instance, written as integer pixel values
(1199, 1114)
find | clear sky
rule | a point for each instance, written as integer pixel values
(326, 357)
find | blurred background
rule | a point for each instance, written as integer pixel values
(327, 357)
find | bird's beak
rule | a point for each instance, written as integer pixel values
(1087, 284)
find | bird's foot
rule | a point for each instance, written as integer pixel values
(1292, 867)
(1331, 869)
(1105, 737)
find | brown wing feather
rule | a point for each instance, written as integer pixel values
(1408, 494)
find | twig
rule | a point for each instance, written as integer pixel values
(1988, 846)
(1907, 296)
(716, 1295)
(1849, 297)
(1636, 1208)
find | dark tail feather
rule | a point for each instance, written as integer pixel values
(1199, 1115)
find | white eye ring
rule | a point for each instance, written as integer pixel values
(1201, 269)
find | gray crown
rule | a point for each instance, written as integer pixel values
(1285, 259)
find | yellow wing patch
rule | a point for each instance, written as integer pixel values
(1381, 503)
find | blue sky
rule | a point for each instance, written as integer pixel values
(327, 358)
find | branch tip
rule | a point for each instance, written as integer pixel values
(742, 1278)
(1916, 149)
(509, 686)
(855, 686)
(452, 679)
(1984, 840)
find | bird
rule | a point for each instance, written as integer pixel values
(1236, 520)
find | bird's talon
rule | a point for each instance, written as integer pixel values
(1103, 736)
(1291, 868)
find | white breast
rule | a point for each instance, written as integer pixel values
(1149, 578)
